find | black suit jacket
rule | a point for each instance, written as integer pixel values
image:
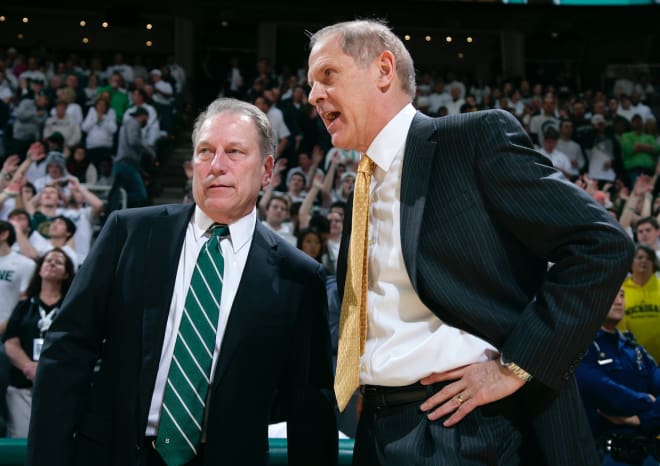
(275, 351)
(481, 216)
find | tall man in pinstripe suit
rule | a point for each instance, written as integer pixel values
(471, 341)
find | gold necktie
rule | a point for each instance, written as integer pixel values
(353, 317)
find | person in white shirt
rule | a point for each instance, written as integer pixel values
(277, 216)
(559, 159)
(61, 231)
(276, 119)
(462, 354)
(570, 148)
(15, 273)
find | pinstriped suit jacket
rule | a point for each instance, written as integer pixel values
(481, 215)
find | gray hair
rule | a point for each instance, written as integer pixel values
(264, 129)
(364, 40)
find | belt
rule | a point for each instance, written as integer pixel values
(387, 397)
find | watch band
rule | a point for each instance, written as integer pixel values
(518, 371)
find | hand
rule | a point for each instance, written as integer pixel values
(621, 420)
(11, 164)
(475, 385)
(280, 165)
(30, 370)
(317, 155)
(336, 158)
(651, 397)
(36, 155)
(318, 181)
(642, 185)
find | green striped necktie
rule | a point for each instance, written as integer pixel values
(182, 413)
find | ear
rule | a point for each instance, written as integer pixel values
(386, 70)
(269, 161)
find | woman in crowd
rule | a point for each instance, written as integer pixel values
(100, 126)
(26, 328)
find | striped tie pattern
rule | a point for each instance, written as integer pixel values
(182, 413)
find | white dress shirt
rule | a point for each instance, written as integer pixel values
(235, 251)
(406, 341)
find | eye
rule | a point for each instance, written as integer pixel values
(204, 153)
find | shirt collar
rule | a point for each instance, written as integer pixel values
(391, 139)
(240, 231)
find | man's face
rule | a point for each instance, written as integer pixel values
(566, 129)
(549, 145)
(54, 171)
(647, 234)
(347, 184)
(228, 169)
(50, 197)
(616, 313)
(58, 229)
(336, 223)
(21, 222)
(548, 105)
(344, 94)
(296, 183)
(277, 212)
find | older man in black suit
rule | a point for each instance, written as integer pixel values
(461, 339)
(198, 337)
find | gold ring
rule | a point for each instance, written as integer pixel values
(459, 399)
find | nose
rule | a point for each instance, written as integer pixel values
(219, 162)
(316, 94)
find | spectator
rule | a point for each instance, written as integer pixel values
(79, 165)
(127, 164)
(639, 150)
(62, 126)
(538, 124)
(277, 218)
(559, 159)
(15, 273)
(619, 383)
(642, 290)
(27, 326)
(100, 126)
(60, 234)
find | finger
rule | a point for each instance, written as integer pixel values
(463, 410)
(447, 393)
(443, 376)
(450, 406)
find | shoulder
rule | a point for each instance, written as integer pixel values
(290, 258)
(148, 214)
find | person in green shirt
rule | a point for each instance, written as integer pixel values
(639, 150)
(117, 95)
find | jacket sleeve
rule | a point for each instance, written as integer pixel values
(71, 349)
(561, 224)
(311, 421)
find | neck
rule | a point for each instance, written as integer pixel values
(50, 292)
(641, 278)
(49, 211)
(609, 326)
(4, 249)
(58, 242)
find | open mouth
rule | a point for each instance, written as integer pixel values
(329, 117)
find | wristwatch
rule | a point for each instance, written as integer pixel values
(521, 373)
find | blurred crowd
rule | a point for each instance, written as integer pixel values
(76, 132)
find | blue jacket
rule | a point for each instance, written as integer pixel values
(616, 377)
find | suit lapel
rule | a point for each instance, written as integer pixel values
(415, 177)
(256, 287)
(164, 243)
